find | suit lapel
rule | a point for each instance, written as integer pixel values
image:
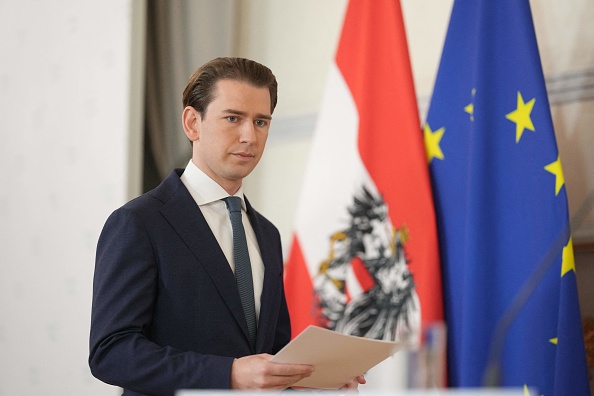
(269, 300)
(181, 211)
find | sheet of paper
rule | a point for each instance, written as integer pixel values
(338, 358)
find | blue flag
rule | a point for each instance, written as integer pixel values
(509, 277)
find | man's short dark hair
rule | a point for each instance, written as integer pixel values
(201, 86)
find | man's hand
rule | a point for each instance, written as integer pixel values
(258, 372)
(353, 384)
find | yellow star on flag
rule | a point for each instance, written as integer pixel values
(526, 391)
(469, 108)
(432, 139)
(521, 116)
(554, 340)
(555, 169)
(568, 261)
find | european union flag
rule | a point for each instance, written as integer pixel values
(509, 276)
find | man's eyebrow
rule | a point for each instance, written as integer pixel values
(243, 113)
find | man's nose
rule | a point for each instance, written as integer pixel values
(248, 132)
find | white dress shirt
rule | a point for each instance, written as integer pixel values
(208, 194)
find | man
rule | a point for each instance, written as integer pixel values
(167, 312)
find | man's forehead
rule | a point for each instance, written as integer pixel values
(241, 96)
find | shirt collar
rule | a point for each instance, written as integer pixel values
(203, 189)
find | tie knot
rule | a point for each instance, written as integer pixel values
(233, 204)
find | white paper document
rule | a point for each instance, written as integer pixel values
(338, 358)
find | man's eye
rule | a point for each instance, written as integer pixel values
(261, 123)
(232, 118)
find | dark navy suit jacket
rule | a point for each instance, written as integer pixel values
(166, 310)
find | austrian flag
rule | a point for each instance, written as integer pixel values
(364, 257)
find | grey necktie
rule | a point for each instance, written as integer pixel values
(243, 268)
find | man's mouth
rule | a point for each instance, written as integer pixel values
(244, 155)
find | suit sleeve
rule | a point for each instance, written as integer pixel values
(124, 292)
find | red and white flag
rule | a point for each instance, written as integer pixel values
(364, 257)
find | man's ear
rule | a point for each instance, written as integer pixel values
(191, 123)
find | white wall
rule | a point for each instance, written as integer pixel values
(65, 123)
